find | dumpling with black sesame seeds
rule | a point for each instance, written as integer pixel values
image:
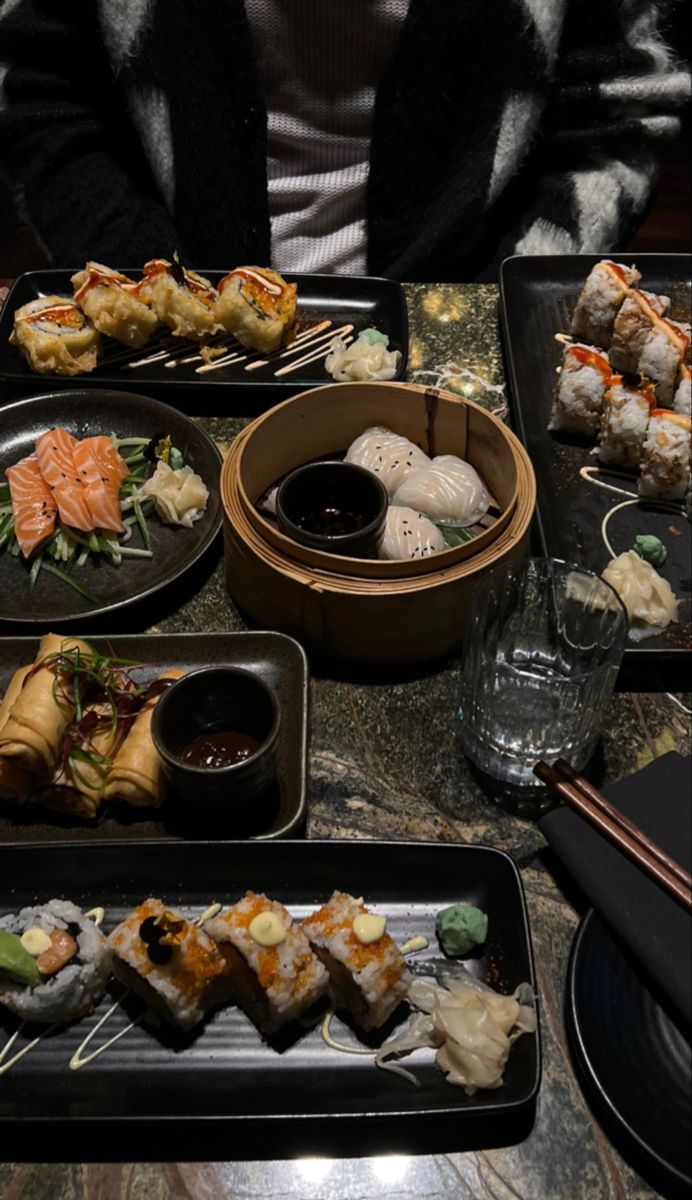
(408, 534)
(387, 454)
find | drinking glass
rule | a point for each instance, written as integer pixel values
(541, 653)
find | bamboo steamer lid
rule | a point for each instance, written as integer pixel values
(356, 618)
(326, 420)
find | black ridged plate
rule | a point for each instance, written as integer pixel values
(274, 657)
(361, 301)
(224, 1074)
(538, 296)
(634, 1054)
(176, 549)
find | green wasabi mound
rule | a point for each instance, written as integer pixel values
(461, 927)
(650, 548)
(373, 336)
(16, 962)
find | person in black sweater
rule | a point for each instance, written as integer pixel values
(137, 128)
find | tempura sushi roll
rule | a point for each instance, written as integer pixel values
(54, 963)
(257, 306)
(169, 963)
(55, 336)
(581, 386)
(601, 296)
(625, 419)
(181, 299)
(368, 975)
(632, 327)
(110, 300)
(665, 464)
(662, 356)
(682, 400)
(274, 975)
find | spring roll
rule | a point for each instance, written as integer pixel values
(136, 775)
(78, 783)
(32, 735)
(15, 783)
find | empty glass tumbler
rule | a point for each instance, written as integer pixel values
(542, 649)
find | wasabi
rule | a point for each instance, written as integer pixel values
(650, 548)
(16, 962)
(461, 927)
(373, 336)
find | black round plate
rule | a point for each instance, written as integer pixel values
(85, 414)
(635, 1057)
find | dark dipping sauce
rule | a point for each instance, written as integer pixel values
(220, 748)
(332, 519)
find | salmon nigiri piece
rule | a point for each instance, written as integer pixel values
(33, 506)
(101, 471)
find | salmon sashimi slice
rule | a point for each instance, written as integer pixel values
(55, 454)
(97, 459)
(73, 506)
(103, 501)
(101, 470)
(33, 505)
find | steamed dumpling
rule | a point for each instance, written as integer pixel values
(408, 534)
(386, 454)
(448, 490)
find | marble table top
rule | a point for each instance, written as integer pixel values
(385, 763)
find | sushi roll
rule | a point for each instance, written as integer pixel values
(368, 976)
(624, 422)
(275, 977)
(633, 325)
(181, 299)
(54, 963)
(580, 390)
(257, 306)
(169, 963)
(662, 356)
(601, 296)
(665, 464)
(55, 336)
(682, 400)
(111, 301)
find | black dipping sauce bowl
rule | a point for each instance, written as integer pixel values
(337, 507)
(206, 701)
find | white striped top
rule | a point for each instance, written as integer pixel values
(321, 61)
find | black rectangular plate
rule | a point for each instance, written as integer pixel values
(361, 301)
(277, 659)
(226, 1073)
(538, 296)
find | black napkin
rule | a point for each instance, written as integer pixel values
(656, 929)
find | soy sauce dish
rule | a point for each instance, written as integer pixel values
(216, 731)
(337, 507)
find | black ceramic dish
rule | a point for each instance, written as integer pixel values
(215, 699)
(337, 507)
(276, 659)
(344, 300)
(634, 1057)
(538, 295)
(225, 1077)
(176, 548)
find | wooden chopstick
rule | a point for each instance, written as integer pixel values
(579, 794)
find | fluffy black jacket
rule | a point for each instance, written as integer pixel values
(137, 127)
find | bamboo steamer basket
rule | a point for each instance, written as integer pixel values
(326, 420)
(386, 622)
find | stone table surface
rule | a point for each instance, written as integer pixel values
(384, 762)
